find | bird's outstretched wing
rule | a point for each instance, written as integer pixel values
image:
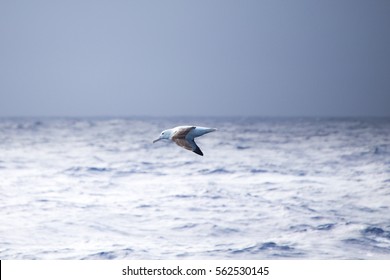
(181, 139)
(189, 145)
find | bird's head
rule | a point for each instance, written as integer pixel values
(164, 135)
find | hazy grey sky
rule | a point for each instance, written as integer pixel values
(123, 57)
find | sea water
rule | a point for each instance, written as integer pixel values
(266, 188)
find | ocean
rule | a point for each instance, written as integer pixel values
(266, 188)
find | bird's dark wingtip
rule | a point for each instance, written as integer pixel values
(198, 151)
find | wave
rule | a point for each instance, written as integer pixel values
(215, 171)
(269, 248)
(86, 170)
(326, 226)
(110, 255)
(373, 231)
(383, 149)
(372, 239)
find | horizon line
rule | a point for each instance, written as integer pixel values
(108, 116)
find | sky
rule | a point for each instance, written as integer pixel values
(194, 58)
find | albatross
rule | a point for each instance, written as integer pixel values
(184, 136)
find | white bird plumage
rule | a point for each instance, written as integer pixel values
(184, 136)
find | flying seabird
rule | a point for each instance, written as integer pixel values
(184, 136)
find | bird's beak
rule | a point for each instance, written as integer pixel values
(158, 139)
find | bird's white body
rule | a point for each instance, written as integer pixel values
(184, 136)
(195, 132)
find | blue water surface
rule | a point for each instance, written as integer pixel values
(266, 188)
